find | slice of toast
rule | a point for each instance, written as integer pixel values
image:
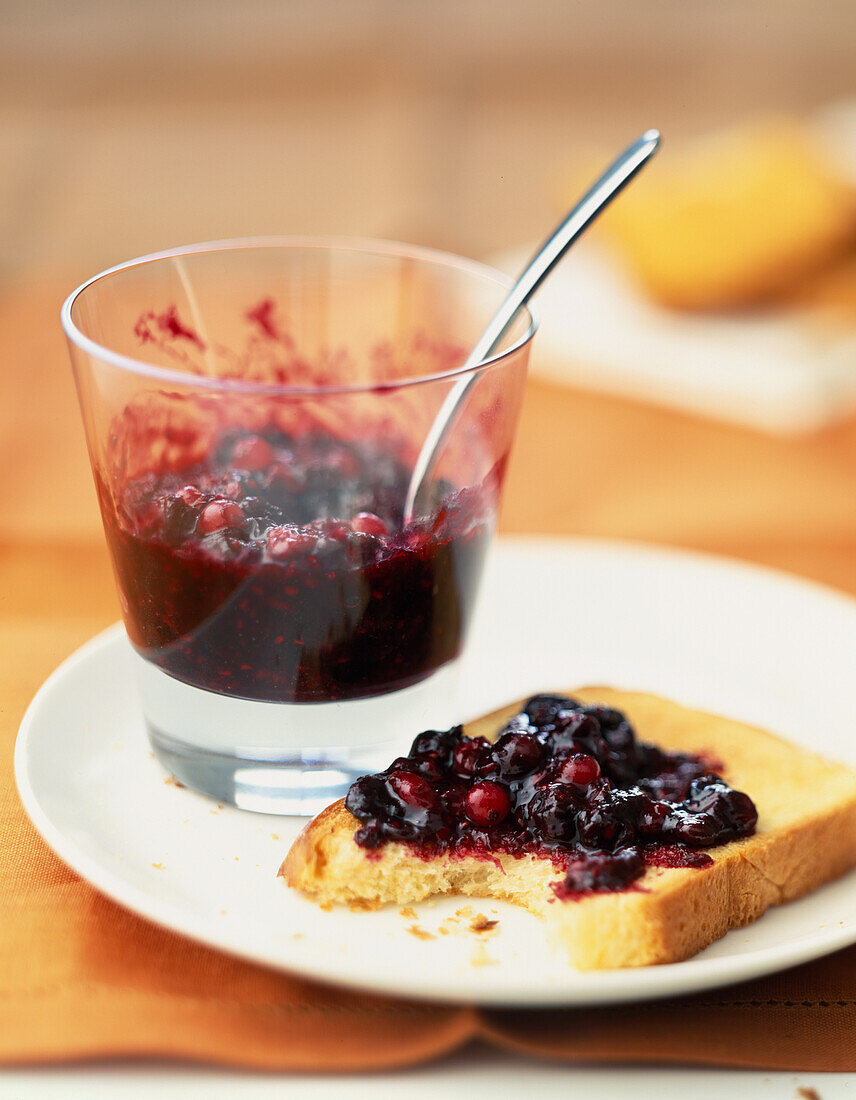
(806, 836)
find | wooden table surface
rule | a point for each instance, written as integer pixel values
(583, 465)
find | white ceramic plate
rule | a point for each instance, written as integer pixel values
(769, 649)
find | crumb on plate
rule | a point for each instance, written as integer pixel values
(420, 933)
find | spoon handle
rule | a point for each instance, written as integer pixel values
(596, 199)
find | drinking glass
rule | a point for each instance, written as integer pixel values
(253, 410)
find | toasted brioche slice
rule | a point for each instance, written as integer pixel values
(806, 836)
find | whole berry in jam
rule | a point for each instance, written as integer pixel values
(487, 803)
(468, 755)
(220, 515)
(413, 790)
(542, 710)
(580, 769)
(617, 733)
(711, 814)
(439, 744)
(517, 754)
(367, 523)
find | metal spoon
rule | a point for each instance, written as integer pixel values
(596, 199)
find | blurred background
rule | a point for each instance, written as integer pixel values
(723, 418)
(127, 128)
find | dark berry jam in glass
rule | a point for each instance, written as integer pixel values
(253, 411)
(277, 567)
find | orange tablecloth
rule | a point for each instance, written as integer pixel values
(80, 977)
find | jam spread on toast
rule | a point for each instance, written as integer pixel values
(563, 780)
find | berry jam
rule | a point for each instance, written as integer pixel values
(563, 780)
(278, 567)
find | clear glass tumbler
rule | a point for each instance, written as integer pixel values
(253, 410)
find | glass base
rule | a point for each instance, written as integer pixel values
(285, 758)
(301, 787)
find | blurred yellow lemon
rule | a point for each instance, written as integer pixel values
(735, 219)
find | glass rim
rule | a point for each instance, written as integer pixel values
(370, 245)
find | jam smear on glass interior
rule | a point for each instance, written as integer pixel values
(278, 567)
(563, 780)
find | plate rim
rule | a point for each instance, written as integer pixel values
(653, 982)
